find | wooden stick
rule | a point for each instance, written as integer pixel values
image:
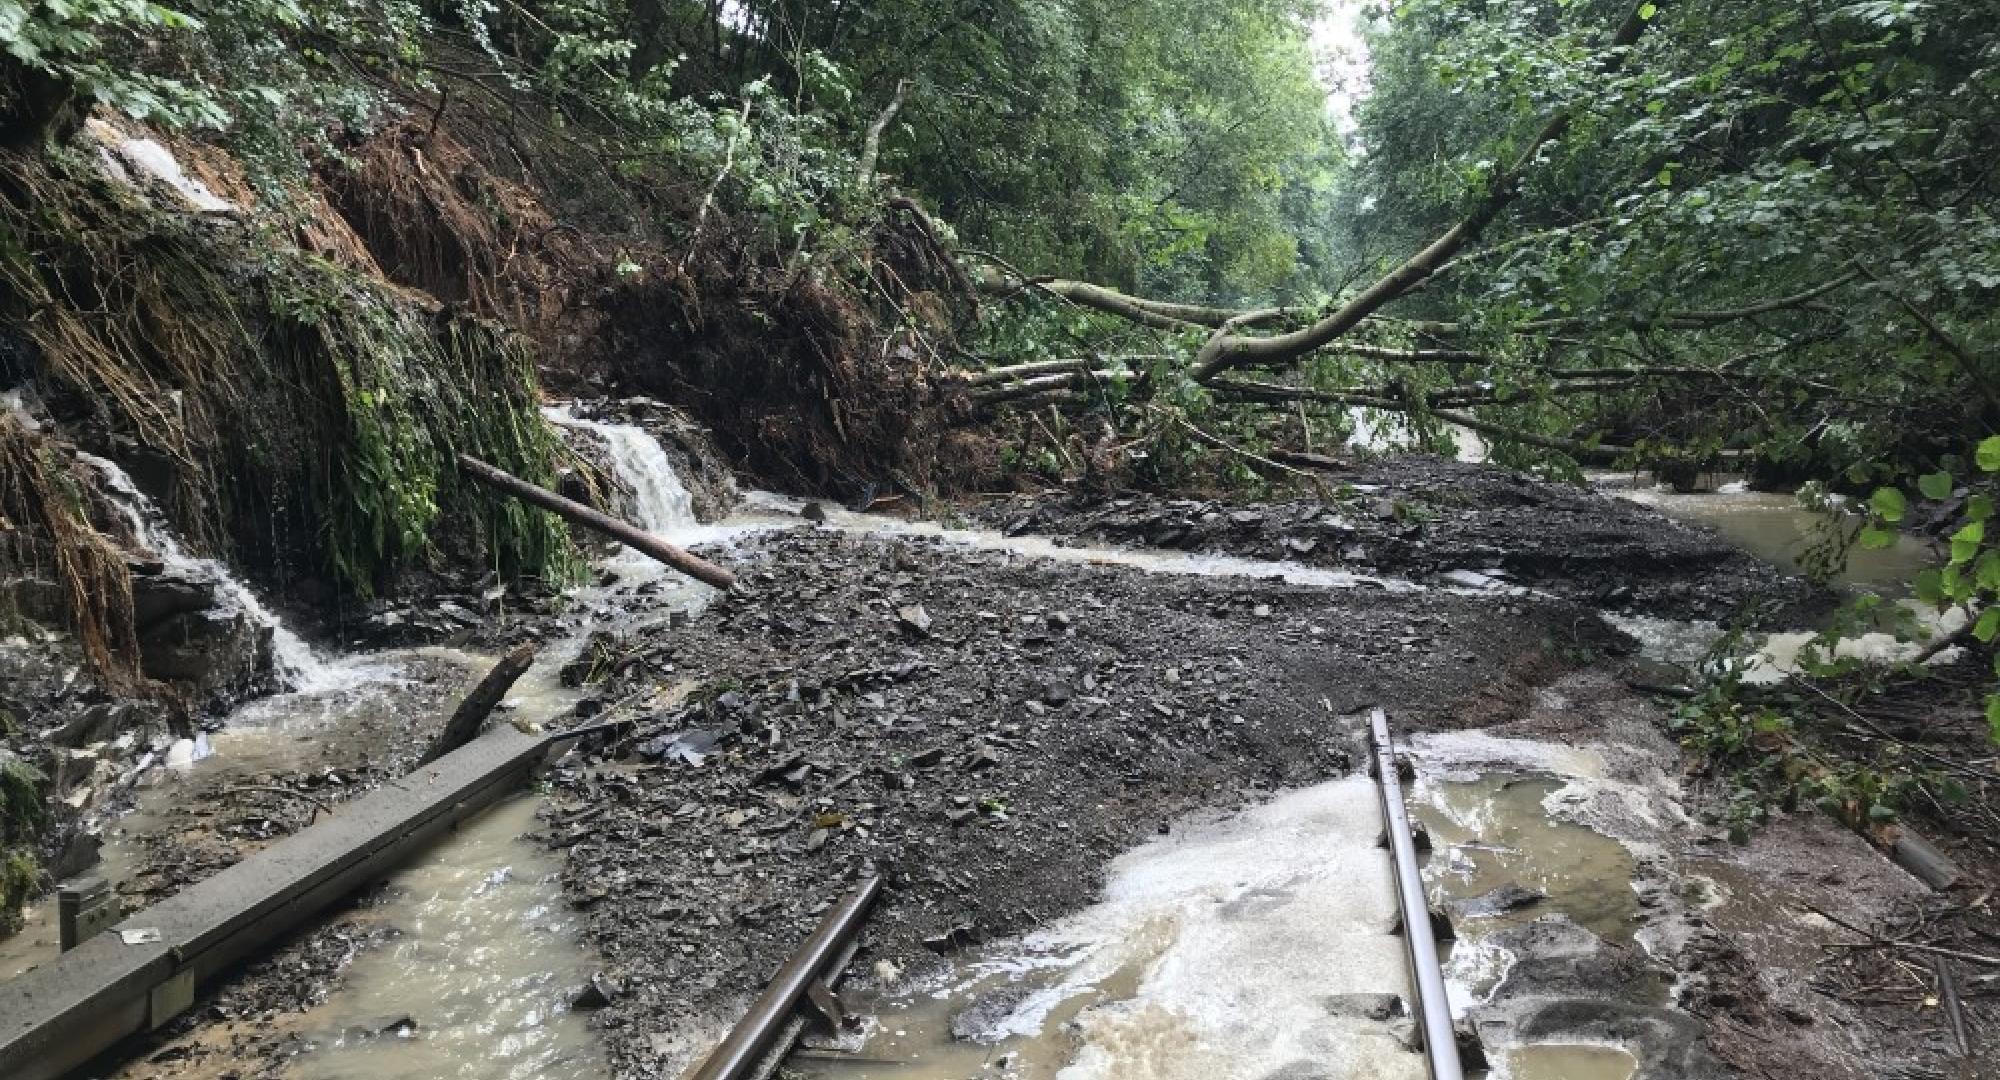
(472, 712)
(569, 510)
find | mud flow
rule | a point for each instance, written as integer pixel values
(1259, 945)
(479, 975)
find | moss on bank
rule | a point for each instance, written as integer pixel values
(303, 416)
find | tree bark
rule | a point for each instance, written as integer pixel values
(471, 713)
(575, 512)
(871, 146)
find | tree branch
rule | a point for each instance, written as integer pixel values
(1226, 351)
(871, 145)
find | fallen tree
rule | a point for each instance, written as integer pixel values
(569, 510)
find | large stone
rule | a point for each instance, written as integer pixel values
(218, 651)
(161, 596)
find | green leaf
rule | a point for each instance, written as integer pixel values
(1930, 586)
(1955, 585)
(1988, 625)
(1876, 538)
(1935, 485)
(1972, 533)
(1880, 813)
(1988, 573)
(1648, 10)
(1988, 454)
(1889, 504)
(1993, 713)
(1979, 508)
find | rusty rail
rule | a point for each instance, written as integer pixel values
(767, 1028)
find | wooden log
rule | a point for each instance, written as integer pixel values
(1923, 860)
(1305, 460)
(471, 713)
(569, 510)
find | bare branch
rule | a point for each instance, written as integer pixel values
(871, 145)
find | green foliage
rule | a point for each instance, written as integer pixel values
(318, 412)
(21, 819)
(1747, 151)
(282, 78)
(86, 45)
(1768, 759)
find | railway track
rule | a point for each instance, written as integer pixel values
(760, 1043)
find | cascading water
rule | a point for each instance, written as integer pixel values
(661, 503)
(297, 665)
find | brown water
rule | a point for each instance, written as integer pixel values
(1497, 831)
(1566, 1061)
(479, 979)
(1216, 950)
(1775, 527)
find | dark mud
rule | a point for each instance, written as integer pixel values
(988, 733)
(1425, 517)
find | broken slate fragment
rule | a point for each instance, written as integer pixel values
(1377, 1007)
(599, 992)
(958, 937)
(1507, 898)
(690, 747)
(914, 619)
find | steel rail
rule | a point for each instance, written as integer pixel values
(744, 1049)
(1433, 1008)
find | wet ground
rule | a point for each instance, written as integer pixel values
(1433, 520)
(1040, 744)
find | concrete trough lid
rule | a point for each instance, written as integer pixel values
(62, 1014)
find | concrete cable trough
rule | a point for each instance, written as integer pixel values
(147, 969)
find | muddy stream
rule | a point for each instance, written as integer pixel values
(1254, 945)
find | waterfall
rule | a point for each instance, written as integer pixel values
(297, 666)
(661, 503)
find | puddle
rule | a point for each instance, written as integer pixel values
(1213, 955)
(1566, 1061)
(479, 982)
(1774, 527)
(1496, 831)
(1493, 836)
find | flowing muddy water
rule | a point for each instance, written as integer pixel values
(1777, 528)
(765, 510)
(483, 961)
(1256, 946)
(1228, 949)
(479, 978)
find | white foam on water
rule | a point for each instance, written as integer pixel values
(767, 510)
(1211, 955)
(298, 667)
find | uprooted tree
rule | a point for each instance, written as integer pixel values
(1749, 231)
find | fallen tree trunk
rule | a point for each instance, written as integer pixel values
(471, 713)
(575, 512)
